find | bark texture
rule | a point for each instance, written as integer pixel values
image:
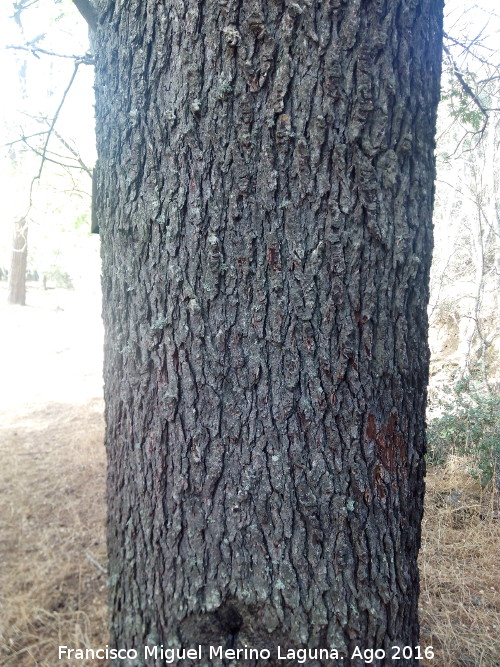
(264, 196)
(18, 262)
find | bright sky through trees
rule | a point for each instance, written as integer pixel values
(32, 90)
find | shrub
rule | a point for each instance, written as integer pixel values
(469, 426)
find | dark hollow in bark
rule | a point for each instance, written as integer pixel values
(264, 196)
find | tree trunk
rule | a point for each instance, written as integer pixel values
(264, 196)
(19, 257)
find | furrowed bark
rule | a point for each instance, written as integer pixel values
(264, 197)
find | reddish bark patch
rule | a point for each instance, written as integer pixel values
(273, 258)
(390, 447)
(371, 429)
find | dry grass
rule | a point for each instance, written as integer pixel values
(460, 570)
(52, 511)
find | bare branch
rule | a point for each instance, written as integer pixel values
(46, 158)
(86, 59)
(56, 115)
(23, 139)
(74, 153)
(19, 8)
(467, 48)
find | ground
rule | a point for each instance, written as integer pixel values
(52, 477)
(52, 506)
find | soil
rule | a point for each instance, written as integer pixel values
(52, 477)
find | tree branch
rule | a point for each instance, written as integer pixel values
(46, 157)
(56, 116)
(23, 139)
(19, 8)
(465, 86)
(75, 154)
(34, 50)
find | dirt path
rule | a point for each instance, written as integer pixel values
(52, 477)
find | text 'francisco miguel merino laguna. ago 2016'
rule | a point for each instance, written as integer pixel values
(200, 653)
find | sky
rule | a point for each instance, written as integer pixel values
(54, 26)
(46, 80)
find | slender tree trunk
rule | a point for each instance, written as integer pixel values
(19, 257)
(264, 196)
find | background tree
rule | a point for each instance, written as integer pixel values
(18, 263)
(46, 142)
(264, 194)
(465, 281)
(19, 252)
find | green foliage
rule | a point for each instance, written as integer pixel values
(470, 426)
(460, 104)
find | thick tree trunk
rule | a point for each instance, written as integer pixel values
(19, 257)
(264, 195)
